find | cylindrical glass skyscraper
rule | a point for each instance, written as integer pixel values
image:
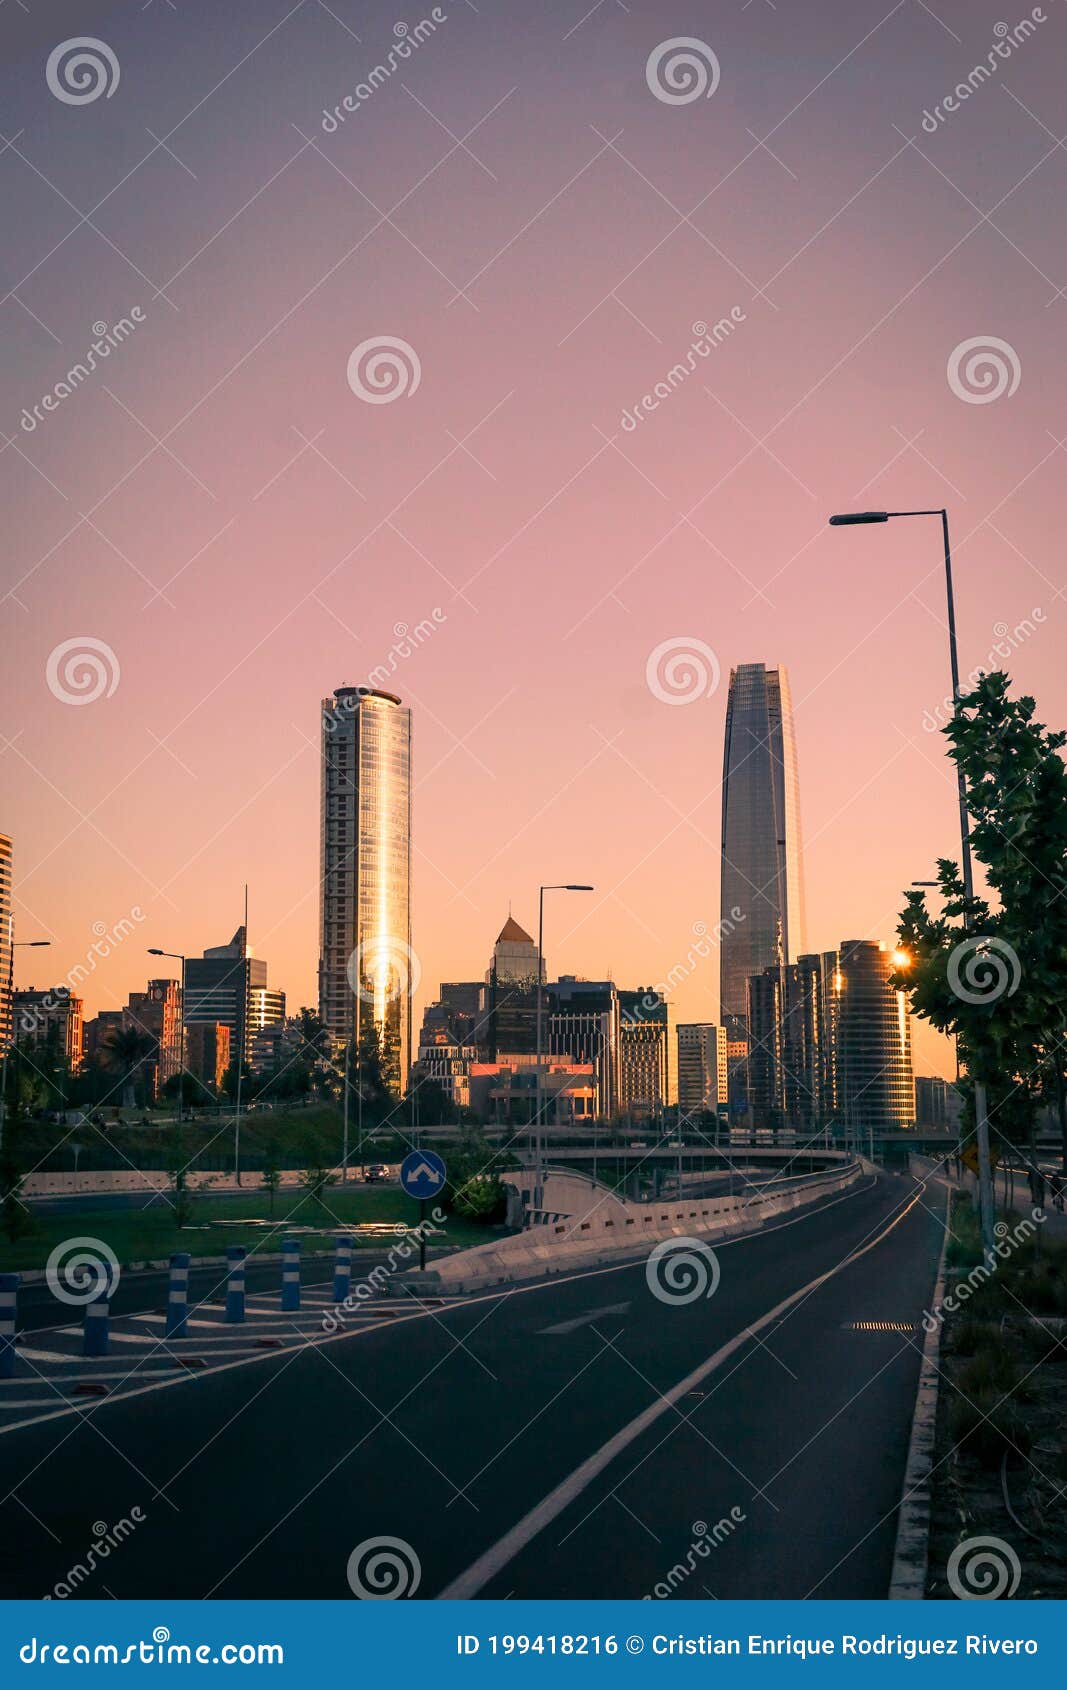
(367, 969)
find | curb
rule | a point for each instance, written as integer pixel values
(911, 1554)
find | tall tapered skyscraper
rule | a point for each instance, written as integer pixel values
(367, 969)
(762, 868)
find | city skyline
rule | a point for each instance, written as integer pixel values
(478, 542)
(384, 935)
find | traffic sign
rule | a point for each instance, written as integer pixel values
(422, 1174)
(969, 1156)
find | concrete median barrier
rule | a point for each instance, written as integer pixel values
(620, 1229)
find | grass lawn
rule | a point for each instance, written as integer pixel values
(137, 1235)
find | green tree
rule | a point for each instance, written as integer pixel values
(125, 1050)
(997, 978)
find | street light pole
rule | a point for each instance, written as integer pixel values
(981, 1116)
(12, 946)
(539, 1143)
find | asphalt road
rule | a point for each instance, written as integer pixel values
(566, 1440)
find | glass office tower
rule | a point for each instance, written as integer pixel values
(367, 970)
(762, 875)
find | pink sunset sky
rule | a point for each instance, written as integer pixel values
(243, 532)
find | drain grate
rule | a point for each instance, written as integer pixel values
(878, 1326)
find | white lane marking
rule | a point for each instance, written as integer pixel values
(181, 1377)
(470, 1582)
(563, 1327)
(159, 1319)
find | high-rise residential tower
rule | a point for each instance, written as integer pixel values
(762, 870)
(367, 969)
(874, 1082)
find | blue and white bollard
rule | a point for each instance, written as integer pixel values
(342, 1267)
(235, 1287)
(290, 1274)
(9, 1303)
(178, 1295)
(96, 1331)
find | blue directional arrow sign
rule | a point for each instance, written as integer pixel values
(422, 1174)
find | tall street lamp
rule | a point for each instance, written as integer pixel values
(539, 1143)
(177, 957)
(13, 945)
(981, 1118)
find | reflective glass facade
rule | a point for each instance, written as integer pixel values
(365, 874)
(761, 851)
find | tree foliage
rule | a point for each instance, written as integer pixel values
(995, 975)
